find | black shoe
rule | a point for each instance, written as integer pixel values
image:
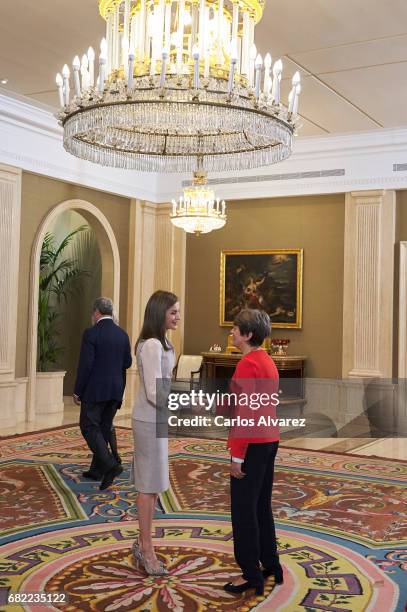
(108, 478)
(277, 572)
(92, 475)
(236, 589)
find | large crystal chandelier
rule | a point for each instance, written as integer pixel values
(178, 80)
(197, 210)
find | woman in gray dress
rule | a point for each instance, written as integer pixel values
(155, 361)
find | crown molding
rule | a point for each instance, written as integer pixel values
(367, 160)
(32, 140)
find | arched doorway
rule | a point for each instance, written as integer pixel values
(110, 276)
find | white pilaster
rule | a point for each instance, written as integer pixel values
(170, 265)
(12, 391)
(156, 261)
(368, 284)
(140, 280)
(141, 263)
(10, 210)
(401, 414)
(402, 327)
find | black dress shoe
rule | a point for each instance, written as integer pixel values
(277, 572)
(108, 478)
(236, 589)
(92, 475)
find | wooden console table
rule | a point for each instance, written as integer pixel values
(220, 367)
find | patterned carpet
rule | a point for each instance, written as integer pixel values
(341, 522)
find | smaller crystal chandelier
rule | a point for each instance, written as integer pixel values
(198, 211)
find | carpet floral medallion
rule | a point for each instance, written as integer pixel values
(341, 523)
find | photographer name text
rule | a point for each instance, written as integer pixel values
(222, 421)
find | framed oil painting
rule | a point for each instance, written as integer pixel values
(268, 280)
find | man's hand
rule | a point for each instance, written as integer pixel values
(236, 470)
(76, 400)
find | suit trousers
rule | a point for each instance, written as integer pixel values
(96, 424)
(95, 468)
(254, 535)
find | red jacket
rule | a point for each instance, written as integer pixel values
(255, 374)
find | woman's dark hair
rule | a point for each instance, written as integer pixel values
(255, 321)
(154, 317)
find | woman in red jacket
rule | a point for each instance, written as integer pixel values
(253, 444)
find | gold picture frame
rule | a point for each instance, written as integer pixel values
(268, 279)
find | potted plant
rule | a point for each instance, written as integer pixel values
(59, 277)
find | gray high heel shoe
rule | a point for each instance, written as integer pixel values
(139, 559)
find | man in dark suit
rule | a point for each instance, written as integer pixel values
(100, 381)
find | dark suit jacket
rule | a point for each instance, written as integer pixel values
(105, 355)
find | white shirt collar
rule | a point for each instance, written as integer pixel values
(104, 317)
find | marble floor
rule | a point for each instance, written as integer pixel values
(390, 448)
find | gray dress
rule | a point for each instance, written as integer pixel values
(150, 465)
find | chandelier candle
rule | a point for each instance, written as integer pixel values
(220, 33)
(233, 61)
(275, 91)
(207, 61)
(126, 19)
(91, 60)
(252, 61)
(294, 91)
(205, 98)
(125, 57)
(258, 65)
(101, 79)
(201, 35)
(133, 29)
(164, 57)
(141, 29)
(102, 65)
(76, 64)
(195, 55)
(108, 39)
(181, 11)
(245, 44)
(267, 79)
(84, 71)
(295, 106)
(130, 75)
(116, 37)
(59, 81)
(235, 20)
(167, 25)
(291, 97)
(66, 74)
